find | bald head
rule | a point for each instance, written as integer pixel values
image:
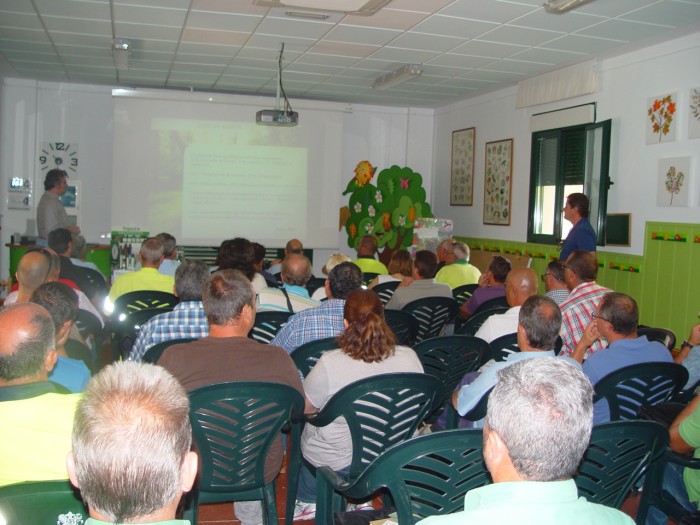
(26, 347)
(521, 283)
(294, 246)
(296, 270)
(37, 267)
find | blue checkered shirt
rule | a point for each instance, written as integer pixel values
(323, 321)
(185, 320)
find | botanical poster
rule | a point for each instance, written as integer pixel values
(662, 118)
(674, 177)
(498, 182)
(462, 172)
(694, 114)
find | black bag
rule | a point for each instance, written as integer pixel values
(664, 413)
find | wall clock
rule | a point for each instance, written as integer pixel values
(59, 155)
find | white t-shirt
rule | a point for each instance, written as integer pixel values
(331, 445)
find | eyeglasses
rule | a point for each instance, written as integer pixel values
(594, 316)
(544, 275)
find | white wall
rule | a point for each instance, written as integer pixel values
(625, 84)
(35, 112)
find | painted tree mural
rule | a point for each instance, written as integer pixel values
(387, 210)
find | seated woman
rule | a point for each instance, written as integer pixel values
(400, 267)
(367, 348)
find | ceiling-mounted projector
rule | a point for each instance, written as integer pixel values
(277, 117)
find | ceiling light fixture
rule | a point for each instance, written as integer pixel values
(307, 16)
(120, 52)
(402, 74)
(355, 7)
(557, 7)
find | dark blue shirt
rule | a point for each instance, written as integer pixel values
(581, 237)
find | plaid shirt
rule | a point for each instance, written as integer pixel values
(559, 295)
(185, 320)
(323, 321)
(577, 314)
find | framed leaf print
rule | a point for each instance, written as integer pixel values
(498, 178)
(462, 171)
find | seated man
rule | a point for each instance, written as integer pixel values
(491, 286)
(422, 285)
(131, 455)
(147, 278)
(293, 296)
(689, 355)
(293, 246)
(537, 429)
(186, 320)
(457, 271)
(326, 320)
(539, 321)
(77, 254)
(36, 414)
(170, 262)
(615, 321)
(228, 354)
(554, 283)
(521, 283)
(61, 302)
(61, 241)
(366, 252)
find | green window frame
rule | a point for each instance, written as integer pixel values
(564, 161)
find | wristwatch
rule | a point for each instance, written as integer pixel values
(684, 344)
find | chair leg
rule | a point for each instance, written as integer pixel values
(269, 504)
(293, 468)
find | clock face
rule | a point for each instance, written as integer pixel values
(59, 155)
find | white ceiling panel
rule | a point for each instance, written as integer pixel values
(465, 47)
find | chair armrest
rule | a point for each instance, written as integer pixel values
(680, 459)
(332, 478)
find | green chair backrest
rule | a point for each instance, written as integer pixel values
(141, 300)
(153, 354)
(472, 325)
(234, 425)
(42, 503)
(432, 314)
(386, 290)
(425, 476)
(403, 324)
(449, 357)
(617, 455)
(380, 411)
(628, 388)
(306, 355)
(502, 346)
(663, 335)
(267, 324)
(462, 293)
(496, 302)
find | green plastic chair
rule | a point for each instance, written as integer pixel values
(425, 476)
(658, 497)
(618, 453)
(496, 302)
(90, 326)
(448, 358)
(628, 388)
(153, 354)
(386, 290)
(267, 324)
(475, 414)
(380, 411)
(662, 335)
(403, 324)
(306, 355)
(126, 331)
(502, 346)
(368, 277)
(432, 314)
(472, 325)
(463, 293)
(233, 425)
(141, 300)
(42, 503)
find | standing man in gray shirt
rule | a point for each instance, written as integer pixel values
(50, 213)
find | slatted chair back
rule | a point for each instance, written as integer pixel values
(92, 331)
(432, 314)
(496, 302)
(307, 355)
(618, 453)
(503, 346)
(386, 290)
(403, 324)
(448, 358)
(368, 277)
(142, 300)
(425, 476)
(628, 388)
(463, 293)
(153, 353)
(662, 335)
(233, 425)
(267, 324)
(126, 330)
(42, 503)
(314, 284)
(472, 325)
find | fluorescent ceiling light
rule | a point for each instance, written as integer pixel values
(402, 74)
(355, 7)
(558, 7)
(120, 52)
(307, 15)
